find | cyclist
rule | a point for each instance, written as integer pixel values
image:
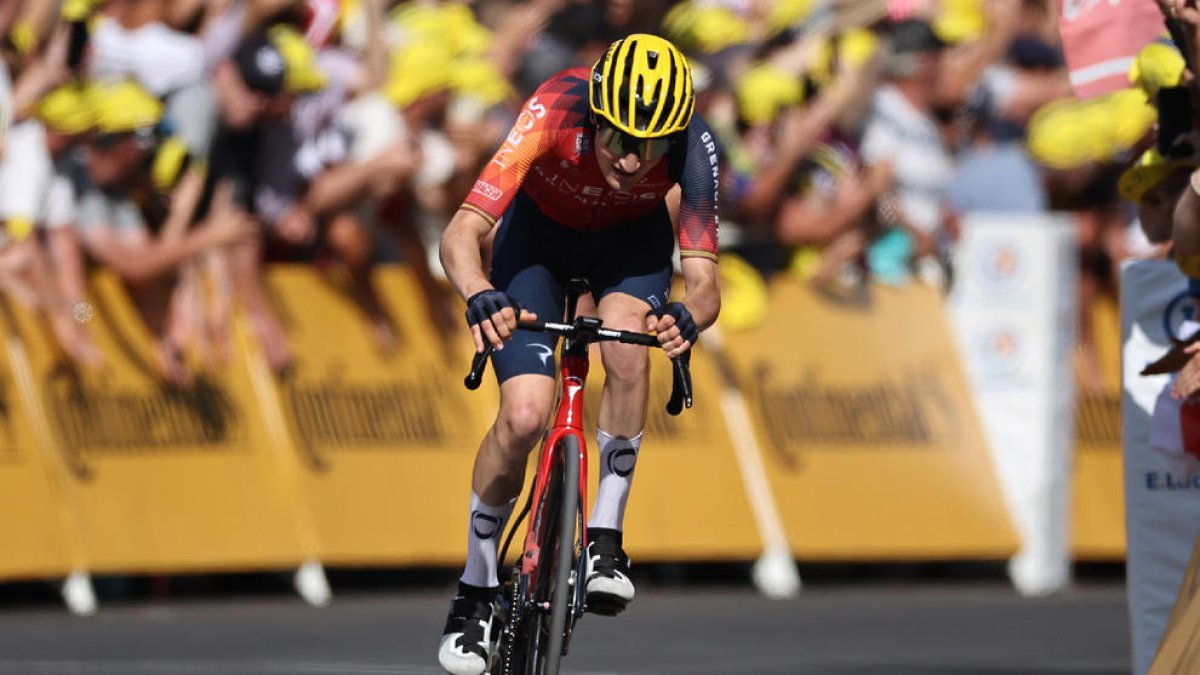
(584, 185)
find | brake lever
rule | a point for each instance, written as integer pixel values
(681, 384)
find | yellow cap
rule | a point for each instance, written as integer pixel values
(960, 21)
(854, 48)
(67, 109)
(123, 106)
(301, 73)
(169, 163)
(743, 294)
(787, 13)
(19, 227)
(416, 70)
(1157, 65)
(704, 30)
(451, 24)
(78, 10)
(1068, 133)
(480, 80)
(23, 37)
(764, 90)
(1150, 170)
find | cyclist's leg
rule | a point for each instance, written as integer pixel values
(525, 369)
(633, 279)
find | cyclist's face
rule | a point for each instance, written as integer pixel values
(623, 167)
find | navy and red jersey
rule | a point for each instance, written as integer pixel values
(548, 155)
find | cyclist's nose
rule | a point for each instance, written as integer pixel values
(630, 163)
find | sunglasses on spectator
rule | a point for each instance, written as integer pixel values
(620, 143)
(107, 141)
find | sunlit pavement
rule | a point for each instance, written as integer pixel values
(942, 628)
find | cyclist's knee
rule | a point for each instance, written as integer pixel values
(625, 364)
(520, 424)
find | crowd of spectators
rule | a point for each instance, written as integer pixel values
(183, 143)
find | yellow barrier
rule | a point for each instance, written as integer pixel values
(873, 446)
(39, 529)
(1098, 508)
(361, 458)
(165, 480)
(385, 443)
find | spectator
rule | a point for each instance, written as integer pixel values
(136, 215)
(903, 134)
(256, 88)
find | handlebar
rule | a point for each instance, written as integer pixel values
(590, 330)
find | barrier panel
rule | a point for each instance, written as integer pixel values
(165, 479)
(38, 528)
(1097, 508)
(873, 446)
(385, 442)
(1013, 308)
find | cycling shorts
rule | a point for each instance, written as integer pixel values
(533, 258)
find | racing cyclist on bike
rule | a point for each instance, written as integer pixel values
(584, 185)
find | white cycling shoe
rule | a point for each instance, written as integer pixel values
(609, 588)
(467, 641)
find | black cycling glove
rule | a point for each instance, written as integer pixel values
(482, 305)
(683, 320)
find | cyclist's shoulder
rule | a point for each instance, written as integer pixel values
(699, 144)
(567, 88)
(558, 108)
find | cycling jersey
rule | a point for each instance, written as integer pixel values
(548, 156)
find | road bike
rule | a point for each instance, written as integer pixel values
(545, 595)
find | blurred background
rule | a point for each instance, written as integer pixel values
(232, 359)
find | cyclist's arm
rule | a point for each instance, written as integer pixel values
(460, 252)
(701, 300)
(702, 295)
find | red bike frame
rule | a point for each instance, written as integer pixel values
(568, 421)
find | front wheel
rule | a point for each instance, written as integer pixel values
(563, 561)
(556, 527)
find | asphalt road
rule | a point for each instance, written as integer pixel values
(891, 628)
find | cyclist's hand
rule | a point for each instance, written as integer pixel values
(492, 315)
(676, 329)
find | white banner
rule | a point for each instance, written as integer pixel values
(1014, 315)
(1162, 483)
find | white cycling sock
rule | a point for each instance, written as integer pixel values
(618, 456)
(484, 530)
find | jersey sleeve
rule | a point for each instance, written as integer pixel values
(531, 136)
(699, 181)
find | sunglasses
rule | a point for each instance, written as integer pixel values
(620, 143)
(107, 141)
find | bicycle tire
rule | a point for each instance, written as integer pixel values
(564, 558)
(529, 653)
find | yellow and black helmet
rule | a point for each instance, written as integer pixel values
(643, 87)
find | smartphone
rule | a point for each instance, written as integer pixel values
(77, 45)
(1174, 120)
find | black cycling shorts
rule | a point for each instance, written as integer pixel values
(533, 257)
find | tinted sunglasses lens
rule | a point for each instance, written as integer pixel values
(620, 143)
(105, 141)
(653, 148)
